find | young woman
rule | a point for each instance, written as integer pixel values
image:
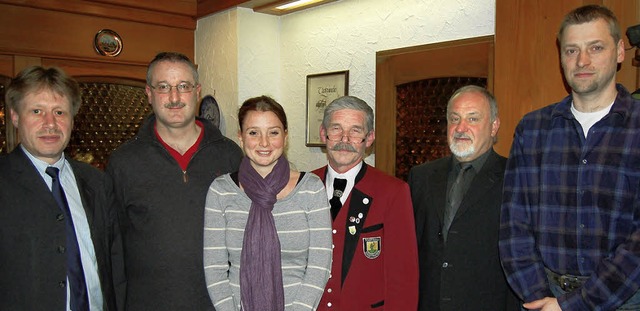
(267, 230)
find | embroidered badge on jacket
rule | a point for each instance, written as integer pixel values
(372, 247)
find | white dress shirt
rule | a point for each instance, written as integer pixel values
(349, 175)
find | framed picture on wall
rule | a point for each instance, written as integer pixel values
(321, 90)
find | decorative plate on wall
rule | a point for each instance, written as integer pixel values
(108, 43)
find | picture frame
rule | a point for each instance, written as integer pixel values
(322, 89)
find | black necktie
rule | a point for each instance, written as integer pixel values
(75, 273)
(338, 189)
(455, 197)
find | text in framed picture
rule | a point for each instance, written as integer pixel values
(322, 89)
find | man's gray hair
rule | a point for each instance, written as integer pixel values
(493, 105)
(348, 102)
(172, 57)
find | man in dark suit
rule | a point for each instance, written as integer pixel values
(375, 264)
(456, 202)
(59, 243)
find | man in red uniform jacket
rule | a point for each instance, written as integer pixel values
(375, 261)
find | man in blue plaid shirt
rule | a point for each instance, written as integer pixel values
(570, 227)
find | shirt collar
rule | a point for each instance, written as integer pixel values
(476, 164)
(621, 105)
(40, 165)
(349, 175)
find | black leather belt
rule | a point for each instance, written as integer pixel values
(567, 282)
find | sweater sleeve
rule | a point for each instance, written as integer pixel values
(319, 253)
(215, 254)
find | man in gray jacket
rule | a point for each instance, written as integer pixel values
(160, 178)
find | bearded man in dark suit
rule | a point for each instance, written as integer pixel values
(457, 218)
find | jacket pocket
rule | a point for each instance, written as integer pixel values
(380, 303)
(372, 228)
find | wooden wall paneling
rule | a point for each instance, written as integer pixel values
(179, 14)
(466, 58)
(68, 35)
(182, 7)
(6, 65)
(22, 62)
(491, 67)
(385, 144)
(85, 68)
(206, 7)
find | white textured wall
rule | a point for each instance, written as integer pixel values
(273, 55)
(217, 60)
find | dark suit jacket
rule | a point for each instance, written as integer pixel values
(32, 236)
(464, 274)
(383, 273)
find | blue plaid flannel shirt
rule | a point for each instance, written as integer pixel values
(572, 205)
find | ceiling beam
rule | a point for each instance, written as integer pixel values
(206, 7)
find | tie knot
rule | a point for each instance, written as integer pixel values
(339, 184)
(52, 171)
(465, 166)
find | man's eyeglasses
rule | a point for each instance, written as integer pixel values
(356, 135)
(164, 88)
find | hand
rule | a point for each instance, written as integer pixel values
(544, 304)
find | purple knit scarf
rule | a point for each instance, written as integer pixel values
(260, 267)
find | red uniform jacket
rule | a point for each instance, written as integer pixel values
(375, 258)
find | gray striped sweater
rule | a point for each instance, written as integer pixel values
(303, 223)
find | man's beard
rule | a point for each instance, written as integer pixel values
(592, 85)
(583, 88)
(461, 151)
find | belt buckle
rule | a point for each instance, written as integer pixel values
(568, 283)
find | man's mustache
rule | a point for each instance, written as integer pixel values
(50, 131)
(175, 105)
(341, 146)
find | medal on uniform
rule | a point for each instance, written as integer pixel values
(352, 230)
